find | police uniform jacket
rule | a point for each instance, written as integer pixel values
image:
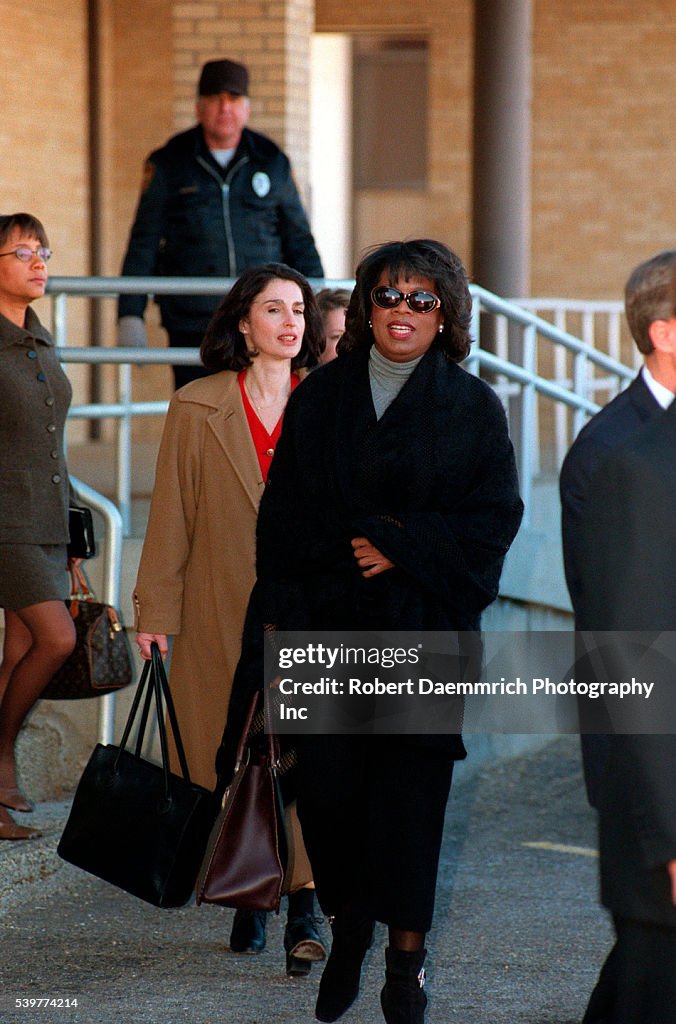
(34, 398)
(197, 219)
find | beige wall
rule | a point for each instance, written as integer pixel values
(603, 142)
(604, 82)
(43, 138)
(140, 58)
(43, 129)
(444, 208)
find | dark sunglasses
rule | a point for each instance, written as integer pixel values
(419, 301)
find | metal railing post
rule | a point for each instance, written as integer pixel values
(112, 565)
(580, 388)
(59, 319)
(472, 362)
(528, 422)
(123, 447)
(560, 410)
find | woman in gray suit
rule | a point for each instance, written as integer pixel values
(34, 492)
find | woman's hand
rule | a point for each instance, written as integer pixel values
(144, 641)
(369, 558)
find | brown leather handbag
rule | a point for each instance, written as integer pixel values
(101, 661)
(246, 858)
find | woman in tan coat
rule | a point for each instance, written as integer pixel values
(198, 561)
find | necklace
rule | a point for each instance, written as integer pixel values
(279, 400)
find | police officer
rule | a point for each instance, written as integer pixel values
(216, 199)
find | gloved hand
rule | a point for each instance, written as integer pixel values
(131, 332)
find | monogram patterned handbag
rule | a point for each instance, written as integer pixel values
(101, 661)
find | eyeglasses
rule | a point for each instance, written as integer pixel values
(25, 254)
(419, 301)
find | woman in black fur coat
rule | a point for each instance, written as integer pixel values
(390, 504)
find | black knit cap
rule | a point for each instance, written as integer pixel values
(223, 76)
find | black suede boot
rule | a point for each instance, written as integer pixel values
(248, 931)
(403, 997)
(339, 985)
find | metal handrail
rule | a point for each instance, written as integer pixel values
(111, 287)
(585, 359)
(518, 314)
(59, 288)
(112, 565)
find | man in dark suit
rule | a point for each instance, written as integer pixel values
(627, 560)
(650, 305)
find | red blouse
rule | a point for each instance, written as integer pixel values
(264, 443)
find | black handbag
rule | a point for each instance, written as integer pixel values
(101, 661)
(133, 823)
(82, 543)
(245, 864)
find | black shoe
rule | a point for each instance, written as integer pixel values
(339, 985)
(303, 945)
(248, 931)
(403, 997)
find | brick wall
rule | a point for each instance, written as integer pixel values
(142, 66)
(603, 150)
(43, 129)
(603, 85)
(43, 139)
(604, 81)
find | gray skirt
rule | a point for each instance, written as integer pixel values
(31, 574)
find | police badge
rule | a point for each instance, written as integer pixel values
(260, 183)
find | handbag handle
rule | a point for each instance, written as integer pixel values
(79, 590)
(153, 681)
(161, 674)
(273, 741)
(143, 683)
(79, 587)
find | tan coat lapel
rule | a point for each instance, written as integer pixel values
(227, 421)
(231, 429)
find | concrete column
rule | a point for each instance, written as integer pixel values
(331, 151)
(502, 145)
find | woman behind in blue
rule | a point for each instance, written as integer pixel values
(390, 505)
(34, 494)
